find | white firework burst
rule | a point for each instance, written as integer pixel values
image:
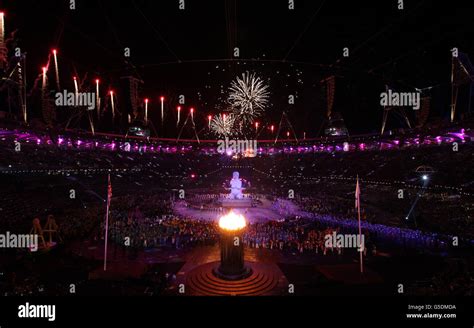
(223, 125)
(248, 96)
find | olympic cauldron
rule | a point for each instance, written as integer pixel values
(232, 265)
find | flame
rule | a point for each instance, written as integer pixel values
(232, 222)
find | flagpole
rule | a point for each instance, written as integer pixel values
(107, 224)
(360, 230)
(360, 249)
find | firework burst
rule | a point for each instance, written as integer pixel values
(223, 125)
(248, 96)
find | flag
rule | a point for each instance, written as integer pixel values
(357, 194)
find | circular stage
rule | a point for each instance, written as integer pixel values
(264, 280)
(267, 211)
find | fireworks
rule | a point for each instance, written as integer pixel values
(2, 28)
(97, 81)
(179, 115)
(113, 104)
(146, 110)
(56, 68)
(223, 125)
(76, 87)
(162, 99)
(248, 96)
(3, 49)
(45, 70)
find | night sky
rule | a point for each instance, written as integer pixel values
(187, 51)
